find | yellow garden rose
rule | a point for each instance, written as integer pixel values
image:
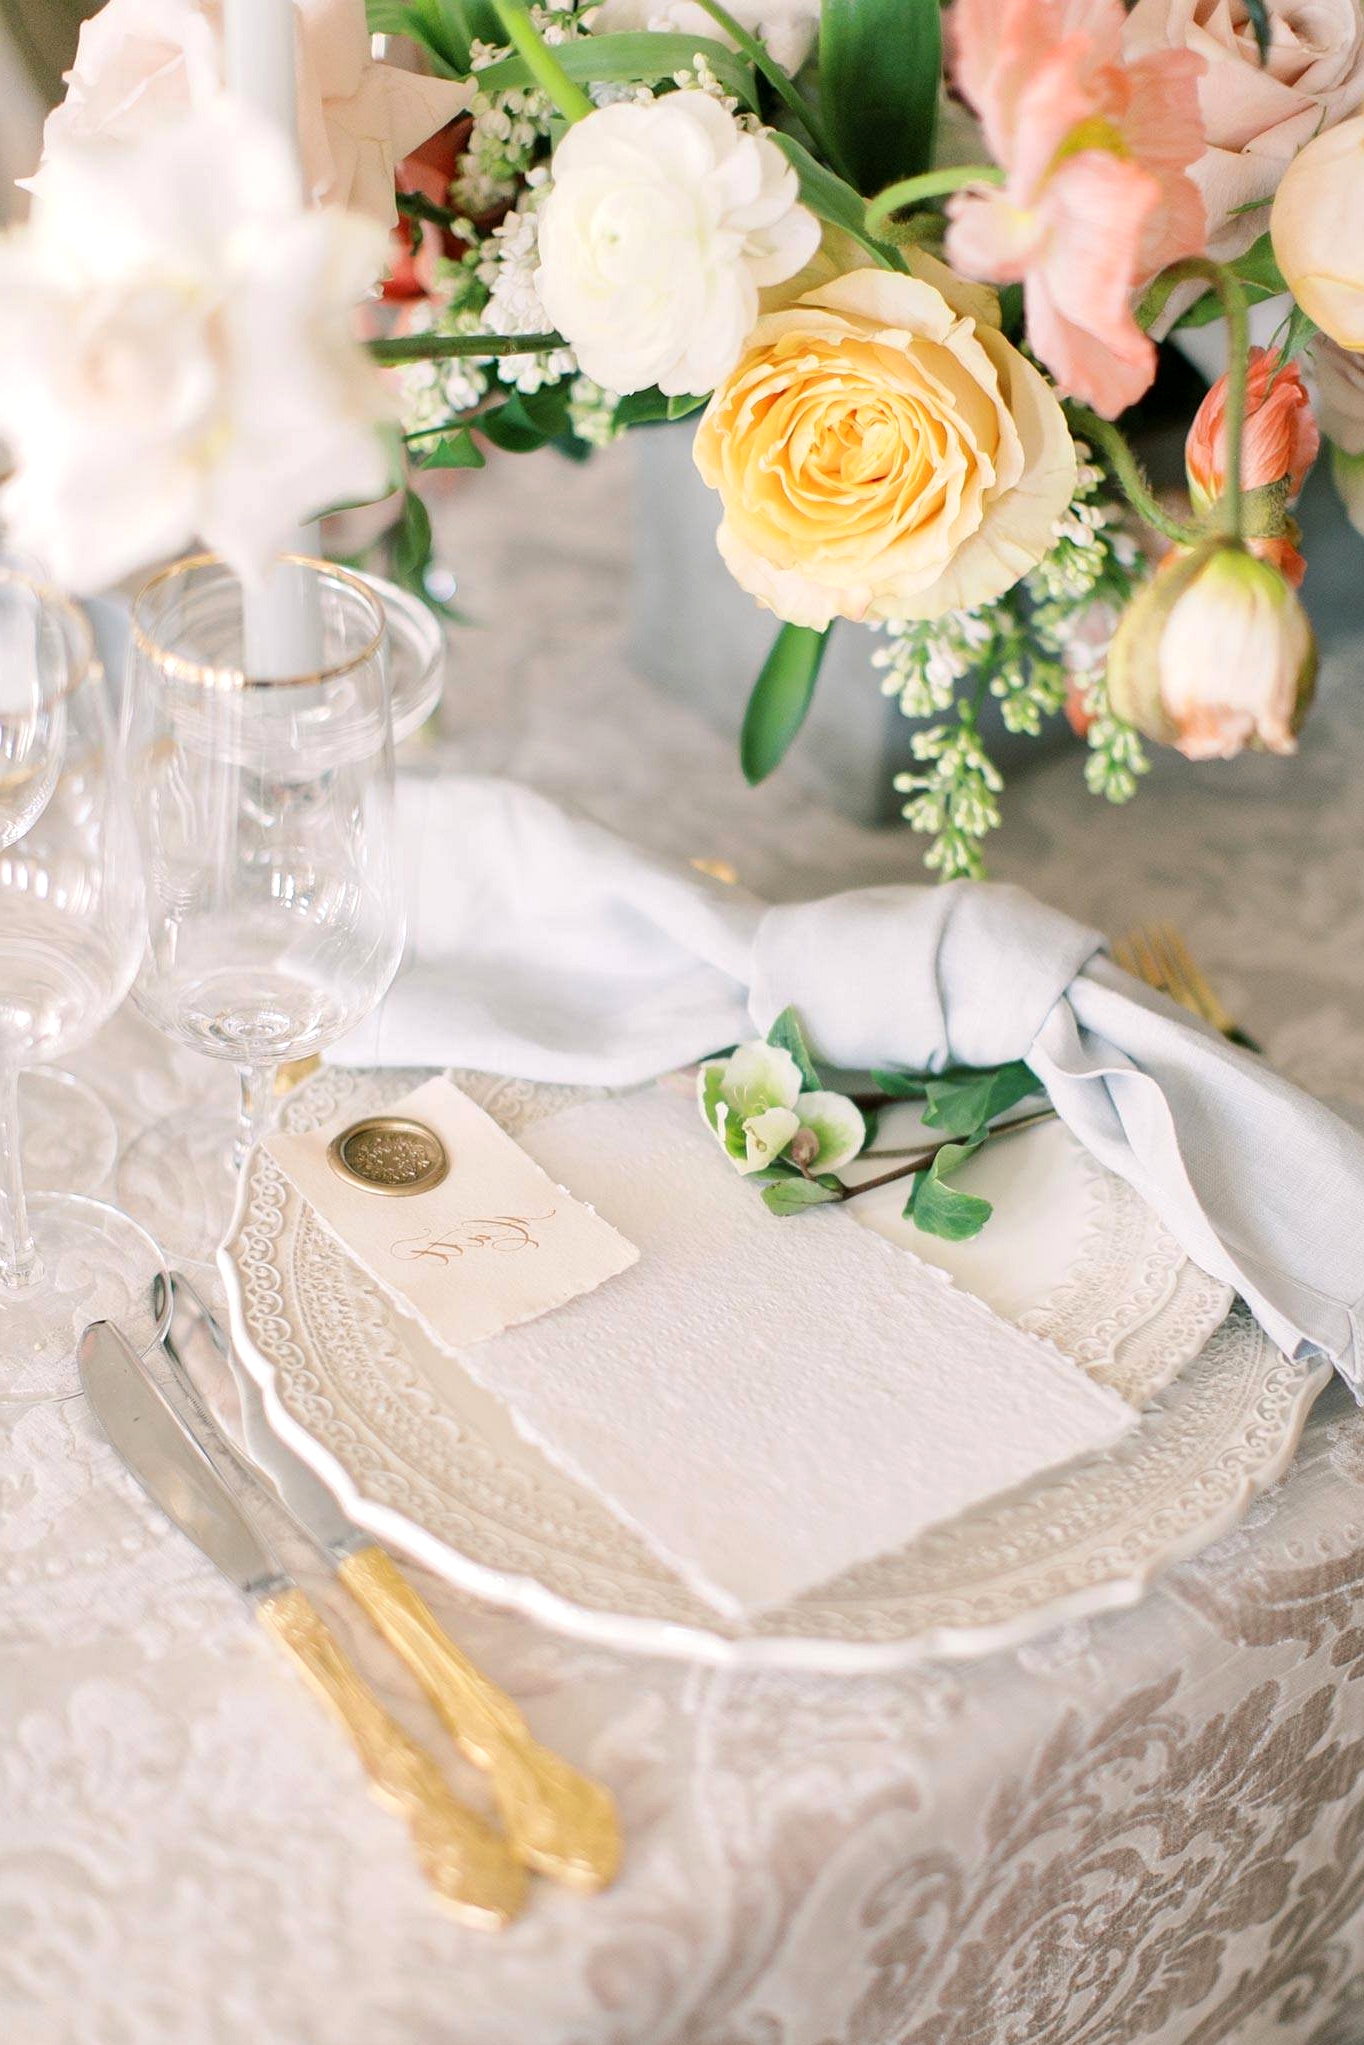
(881, 451)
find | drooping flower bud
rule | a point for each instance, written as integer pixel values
(1214, 655)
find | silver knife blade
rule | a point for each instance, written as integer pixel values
(203, 1350)
(155, 1445)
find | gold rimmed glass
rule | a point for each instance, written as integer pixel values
(71, 930)
(264, 804)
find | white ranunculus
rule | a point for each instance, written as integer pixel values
(663, 223)
(178, 356)
(787, 27)
(142, 61)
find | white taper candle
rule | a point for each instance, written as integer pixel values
(282, 617)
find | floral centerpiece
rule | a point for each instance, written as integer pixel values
(907, 267)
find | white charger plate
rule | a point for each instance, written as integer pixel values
(428, 1462)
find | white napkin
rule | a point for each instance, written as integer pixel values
(769, 1403)
(543, 946)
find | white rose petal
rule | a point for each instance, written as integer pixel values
(663, 223)
(177, 352)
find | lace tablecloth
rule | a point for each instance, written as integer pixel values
(1149, 1827)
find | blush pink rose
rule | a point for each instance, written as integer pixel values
(1257, 116)
(1096, 199)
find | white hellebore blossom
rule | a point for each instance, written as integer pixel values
(786, 27)
(754, 1104)
(664, 221)
(178, 356)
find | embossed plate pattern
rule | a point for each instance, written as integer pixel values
(442, 1474)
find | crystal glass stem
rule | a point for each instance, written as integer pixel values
(255, 1111)
(20, 1264)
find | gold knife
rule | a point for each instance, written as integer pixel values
(557, 1820)
(464, 1859)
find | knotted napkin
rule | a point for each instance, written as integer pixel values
(541, 945)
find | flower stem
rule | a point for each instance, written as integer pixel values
(929, 184)
(920, 1160)
(440, 347)
(1235, 307)
(1131, 477)
(544, 67)
(762, 60)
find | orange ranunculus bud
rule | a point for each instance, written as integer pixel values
(1280, 442)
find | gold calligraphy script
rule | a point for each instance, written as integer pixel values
(501, 1233)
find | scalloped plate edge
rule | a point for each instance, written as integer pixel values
(812, 1655)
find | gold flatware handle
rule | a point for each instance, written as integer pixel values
(559, 1822)
(466, 1862)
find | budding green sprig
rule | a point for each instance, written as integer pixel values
(1038, 646)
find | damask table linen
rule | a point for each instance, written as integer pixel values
(1143, 1830)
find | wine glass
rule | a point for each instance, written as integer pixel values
(68, 1134)
(71, 932)
(265, 809)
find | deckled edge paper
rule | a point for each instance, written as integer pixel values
(770, 1402)
(497, 1243)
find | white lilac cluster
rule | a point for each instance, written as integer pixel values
(954, 802)
(925, 658)
(1039, 649)
(506, 265)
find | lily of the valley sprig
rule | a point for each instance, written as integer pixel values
(767, 1107)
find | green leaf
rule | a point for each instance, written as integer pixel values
(781, 697)
(1301, 330)
(901, 1086)
(412, 544)
(680, 407)
(880, 74)
(829, 198)
(444, 28)
(645, 407)
(1257, 269)
(959, 1107)
(1259, 21)
(787, 1034)
(942, 1210)
(528, 420)
(794, 1196)
(457, 450)
(639, 57)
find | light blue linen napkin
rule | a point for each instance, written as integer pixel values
(543, 946)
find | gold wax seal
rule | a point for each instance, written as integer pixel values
(388, 1154)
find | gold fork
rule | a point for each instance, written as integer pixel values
(1156, 954)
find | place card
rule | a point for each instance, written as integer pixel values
(486, 1241)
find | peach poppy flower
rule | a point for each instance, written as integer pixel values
(1097, 196)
